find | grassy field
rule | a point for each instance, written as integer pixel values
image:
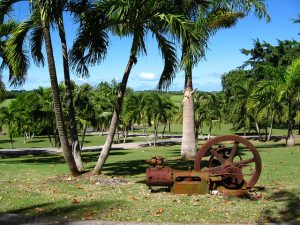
(43, 141)
(40, 185)
(95, 140)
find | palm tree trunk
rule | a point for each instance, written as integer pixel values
(83, 136)
(125, 134)
(271, 128)
(74, 141)
(290, 139)
(155, 133)
(118, 135)
(102, 129)
(163, 132)
(209, 132)
(25, 136)
(57, 105)
(258, 130)
(188, 146)
(10, 137)
(50, 139)
(115, 118)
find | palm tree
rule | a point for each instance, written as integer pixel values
(131, 112)
(239, 115)
(39, 22)
(264, 99)
(7, 117)
(289, 92)
(6, 30)
(209, 17)
(45, 116)
(136, 18)
(207, 110)
(85, 108)
(58, 9)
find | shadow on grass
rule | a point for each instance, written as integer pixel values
(291, 211)
(54, 214)
(273, 145)
(41, 158)
(138, 167)
(46, 157)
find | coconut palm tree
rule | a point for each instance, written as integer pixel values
(85, 108)
(208, 111)
(131, 112)
(39, 23)
(264, 98)
(58, 9)
(6, 29)
(136, 19)
(209, 17)
(7, 117)
(289, 92)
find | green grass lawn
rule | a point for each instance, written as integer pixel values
(40, 185)
(95, 140)
(43, 141)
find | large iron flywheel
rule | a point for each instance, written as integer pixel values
(232, 154)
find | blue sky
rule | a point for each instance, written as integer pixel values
(223, 54)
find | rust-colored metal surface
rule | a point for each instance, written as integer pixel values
(228, 162)
(233, 167)
(190, 182)
(159, 176)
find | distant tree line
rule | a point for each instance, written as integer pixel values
(264, 92)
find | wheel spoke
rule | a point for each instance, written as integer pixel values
(233, 151)
(217, 155)
(213, 169)
(243, 162)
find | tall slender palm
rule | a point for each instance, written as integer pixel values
(58, 9)
(7, 117)
(289, 91)
(136, 18)
(39, 23)
(265, 100)
(239, 115)
(208, 111)
(85, 108)
(131, 112)
(209, 17)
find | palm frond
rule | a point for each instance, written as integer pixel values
(36, 42)
(16, 55)
(89, 47)
(170, 66)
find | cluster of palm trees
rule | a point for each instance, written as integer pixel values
(188, 24)
(31, 112)
(267, 93)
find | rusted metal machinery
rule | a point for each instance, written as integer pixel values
(233, 166)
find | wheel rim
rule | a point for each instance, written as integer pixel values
(230, 159)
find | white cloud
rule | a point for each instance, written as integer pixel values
(147, 76)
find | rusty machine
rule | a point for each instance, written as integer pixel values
(232, 168)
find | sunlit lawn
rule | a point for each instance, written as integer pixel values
(97, 139)
(43, 141)
(39, 185)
